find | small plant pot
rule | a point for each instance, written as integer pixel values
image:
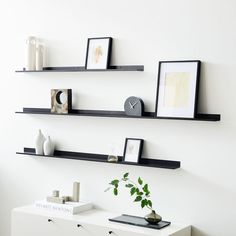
(153, 218)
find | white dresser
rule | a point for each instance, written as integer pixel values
(32, 221)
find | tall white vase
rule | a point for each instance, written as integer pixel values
(48, 147)
(39, 56)
(40, 139)
(31, 53)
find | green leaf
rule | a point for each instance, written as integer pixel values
(114, 182)
(137, 190)
(129, 185)
(144, 203)
(125, 175)
(147, 193)
(149, 202)
(116, 185)
(132, 191)
(140, 193)
(145, 188)
(115, 191)
(138, 199)
(140, 181)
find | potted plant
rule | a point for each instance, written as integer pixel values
(140, 192)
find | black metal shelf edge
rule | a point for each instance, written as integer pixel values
(118, 114)
(82, 69)
(96, 113)
(145, 162)
(199, 117)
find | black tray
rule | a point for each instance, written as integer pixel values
(139, 221)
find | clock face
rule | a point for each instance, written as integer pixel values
(134, 106)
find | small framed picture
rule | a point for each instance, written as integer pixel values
(61, 101)
(177, 89)
(133, 150)
(98, 53)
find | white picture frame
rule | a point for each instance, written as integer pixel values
(177, 89)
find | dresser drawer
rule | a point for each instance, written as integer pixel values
(97, 230)
(24, 224)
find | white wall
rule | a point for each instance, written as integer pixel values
(203, 191)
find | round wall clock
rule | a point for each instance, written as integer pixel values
(134, 106)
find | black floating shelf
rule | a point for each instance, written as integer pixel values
(145, 162)
(82, 69)
(117, 114)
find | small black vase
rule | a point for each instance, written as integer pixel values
(153, 218)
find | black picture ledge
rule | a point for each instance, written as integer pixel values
(82, 69)
(145, 162)
(115, 114)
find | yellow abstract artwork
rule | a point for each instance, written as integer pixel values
(97, 54)
(177, 91)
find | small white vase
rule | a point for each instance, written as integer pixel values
(31, 53)
(48, 147)
(39, 56)
(39, 143)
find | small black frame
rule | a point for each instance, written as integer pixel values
(196, 88)
(140, 149)
(108, 52)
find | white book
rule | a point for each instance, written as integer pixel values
(69, 207)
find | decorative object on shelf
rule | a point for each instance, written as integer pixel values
(76, 191)
(55, 193)
(48, 147)
(133, 150)
(98, 53)
(40, 139)
(112, 157)
(134, 106)
(69, 207)
(153, 217)
(39, 56)
(61, 101)
(177, 89)
(67, 198)
(66, 204)
(31, 53)
(140, 191)
(55, 198)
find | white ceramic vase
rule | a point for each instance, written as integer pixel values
(39, 56)
(31, 53)
(40, 139)
(48, 147)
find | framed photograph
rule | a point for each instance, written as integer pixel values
(133, 150)
(177, 89)
(98, 53)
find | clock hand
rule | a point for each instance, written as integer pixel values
(135, 103)
(131, 106)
